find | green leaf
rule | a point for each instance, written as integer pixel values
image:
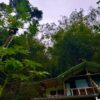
(31, 64)
(13, 66)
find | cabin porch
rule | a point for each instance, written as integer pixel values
(77, 86)
(74, 92)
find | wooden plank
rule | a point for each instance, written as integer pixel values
(93, 90)
(72, 92)
(86, 91)
(86, 75)
(64, 89)
(78, 91)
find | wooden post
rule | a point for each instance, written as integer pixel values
(93, 90)
(86, 91)
(78, 91)
(64, 89)
(72, 92)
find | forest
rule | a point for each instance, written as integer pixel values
(31, 52)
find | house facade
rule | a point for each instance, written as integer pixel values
(79, 82)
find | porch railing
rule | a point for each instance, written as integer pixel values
(76, 92)
(73, 92)
(81, 91)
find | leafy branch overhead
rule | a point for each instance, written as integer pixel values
(18, 13)
(23, 69)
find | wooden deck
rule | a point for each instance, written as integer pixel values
(76, 94)
(84, 97)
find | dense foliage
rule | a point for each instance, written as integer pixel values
(75, 39)
(18, 62)
(58, 47)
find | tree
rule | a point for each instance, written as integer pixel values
(17, 62)
(98, 2)
(73, 40)
(24, 7)
(17, 14)
(22, 69)
(73, 45)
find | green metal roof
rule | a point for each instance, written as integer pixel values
(90, 66)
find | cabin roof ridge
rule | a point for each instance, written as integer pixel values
(90, 66)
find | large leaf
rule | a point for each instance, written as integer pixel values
(20, 49)
(12, 66)
(6, 51)
(31, 64)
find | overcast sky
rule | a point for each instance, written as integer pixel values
(54, 9)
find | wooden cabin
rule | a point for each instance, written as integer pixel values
(79, 82)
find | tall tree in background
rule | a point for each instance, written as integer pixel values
(98, 2)
(76, 39)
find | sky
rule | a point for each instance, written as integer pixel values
(53, 10)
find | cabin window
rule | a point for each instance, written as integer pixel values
(81, 83)
(53, 93)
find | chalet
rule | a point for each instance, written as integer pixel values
(79, 82)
